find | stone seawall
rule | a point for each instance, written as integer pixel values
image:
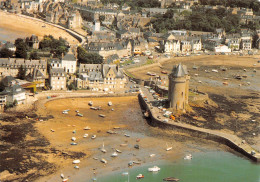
(231, 141)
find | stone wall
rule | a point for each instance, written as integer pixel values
(193, 132)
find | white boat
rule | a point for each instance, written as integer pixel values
(152, 155)
(154, 169)
(73, 143)
(214, 70)
(118, 151)
(102, 115)
(109, 103)
(139, 176)
(65, 112)
(114, 154)
(77, 161)
(73, 138)
(168, 148)
(65, 180)
(103, 160)
(93, 136)
(85, 135)
(76, 167)
(127, 135)
(90, 103)
(62, 175)
(87, 128)
(188, 157)
(103, 148)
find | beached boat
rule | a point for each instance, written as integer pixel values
(168, 148)
(152, 155)
(73, 138)
(111, 132)
(136, 146)
(85, 135)
(76, 167)
(154, 169)
(77, 111)
(123, 145)
(139, 176)
(114, 154)
(87, 128)
(127, 135)
(65, 180)
(138, 140)
(136, 162)
(109, 103)
(238, 77)
(188, 157)
(78, 114)
(103, 148)
(73, 143)
(130, 163)
(103, 160)
(102, 115)
(77, 161)
(116, 127)
(93, 136)
(214, 70)
(74, 131)
(118, 151)
(90, 103)
(225, 83)
(95, 158)
(65, 112)
(171, 179)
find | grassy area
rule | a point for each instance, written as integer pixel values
(149, 61)
(129, 74)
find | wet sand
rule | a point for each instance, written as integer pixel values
(128, 116)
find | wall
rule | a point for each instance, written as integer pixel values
(192, 132)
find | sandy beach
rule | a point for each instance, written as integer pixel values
(26, 27)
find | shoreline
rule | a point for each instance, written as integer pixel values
(27, 26)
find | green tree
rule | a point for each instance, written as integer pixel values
(21, 48)
(21, 72)
(6, 53)
(88, 58)
(34, 55)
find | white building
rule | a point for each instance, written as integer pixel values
(222, 48)
(69, 63)
(15, 93)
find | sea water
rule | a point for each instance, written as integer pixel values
(213, 166)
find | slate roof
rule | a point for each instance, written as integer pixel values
(69, 57)
(57, 72)
(179, 70)
(13, 90)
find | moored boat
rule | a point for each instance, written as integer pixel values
(103, 148)
(168, 148)
(171, 179)
(139, 176)
(90, 103)
(103, 160)
(118, 151)
(85, 135)
(109, 103)
(77, 161)
(114, 154)
(188, 157)
(154, 169)
(93, 136)
(87, 128)
(65, 180)
(102, 115)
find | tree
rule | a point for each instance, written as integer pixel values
(21, 48)
(34, 55)
(21, 72)
(6, 53)
(88, 58)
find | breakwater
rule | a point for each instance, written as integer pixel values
(229, 140)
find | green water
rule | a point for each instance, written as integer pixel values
(216, 166)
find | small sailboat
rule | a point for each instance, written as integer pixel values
(90, 103)
(154, 169)
(102, 115)
(93, 136)
(109, 103)
(152, 155)
(87, 128)
(139, 176)
(168, 148)
(104, 161)
(188, 157)
(85, 135)
(171, 179)
(103, 148)
(114, 154)
(118, 151)
(73, 138)
(77, 161)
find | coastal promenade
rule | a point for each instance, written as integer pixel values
(230, 140)
(78, 36)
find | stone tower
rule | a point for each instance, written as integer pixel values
(178, 92)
